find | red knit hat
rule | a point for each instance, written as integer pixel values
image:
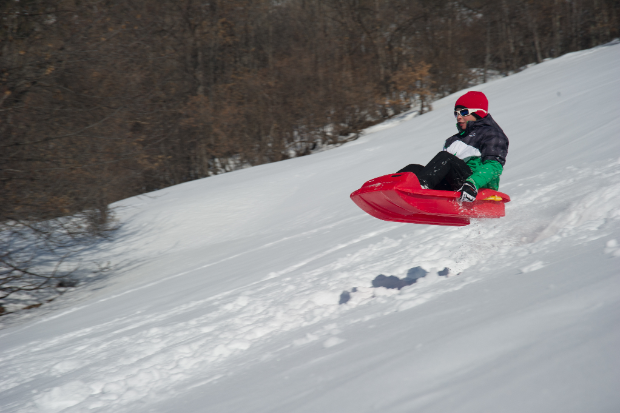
(474, 100)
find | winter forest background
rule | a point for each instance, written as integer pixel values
(101, 100)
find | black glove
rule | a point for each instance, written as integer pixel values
(468, 192)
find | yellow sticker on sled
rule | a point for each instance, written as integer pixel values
(493, 198)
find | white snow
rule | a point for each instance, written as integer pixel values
(224, 295)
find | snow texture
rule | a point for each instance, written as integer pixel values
(226, 294)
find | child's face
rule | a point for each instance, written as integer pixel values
(462, 120)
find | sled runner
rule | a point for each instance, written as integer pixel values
(399, 198)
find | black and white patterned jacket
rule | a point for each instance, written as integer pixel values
(483, 139)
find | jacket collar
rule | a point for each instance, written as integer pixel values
(471, 125)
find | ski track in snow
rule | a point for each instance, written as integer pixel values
(125, 362)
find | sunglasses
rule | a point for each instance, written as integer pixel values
(465, 112)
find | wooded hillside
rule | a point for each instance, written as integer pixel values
(105, 99)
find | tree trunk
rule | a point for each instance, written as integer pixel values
(557, 29)
(531, 20)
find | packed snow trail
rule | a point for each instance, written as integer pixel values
(225, 294)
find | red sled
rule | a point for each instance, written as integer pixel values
(400, 198)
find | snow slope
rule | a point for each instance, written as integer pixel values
(225, 292)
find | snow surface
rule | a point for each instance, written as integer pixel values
(225, 292)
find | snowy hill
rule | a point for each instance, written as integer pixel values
(225, 292)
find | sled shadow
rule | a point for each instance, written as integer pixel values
(392, 281)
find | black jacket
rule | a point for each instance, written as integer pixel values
(482, 138)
